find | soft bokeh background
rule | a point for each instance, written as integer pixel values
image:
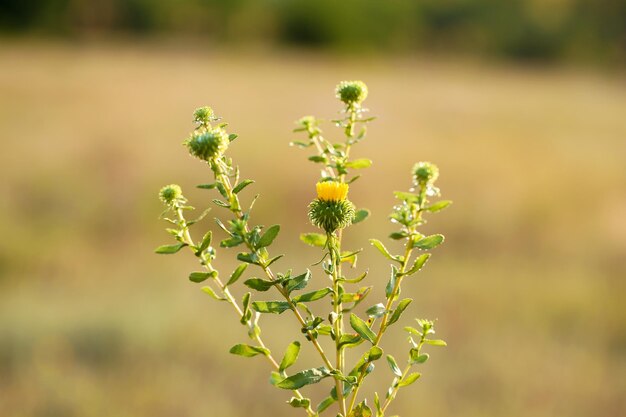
(522, 104)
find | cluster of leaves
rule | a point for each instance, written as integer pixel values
(294, 295)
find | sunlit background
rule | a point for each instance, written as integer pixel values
(522, 104)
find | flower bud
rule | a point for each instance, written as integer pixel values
(425, 173)
(351, 92)
(207, 144)
(170, 194)
(331, 210)
(203, 115)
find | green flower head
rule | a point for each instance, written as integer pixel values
(203, 115)
(170, 194)
(207, 144)
(331, 210)
(425, 173)
(351, 92)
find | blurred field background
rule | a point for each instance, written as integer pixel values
(529, 134)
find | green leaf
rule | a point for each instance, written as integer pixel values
(201, 276)
(275, 307)
(394, 366)
(374, 354)
(413, 330)
(314, 239)
(258, 284)
(212, 293)
(323, 405)
(402, 305)
(418, 264)
(420, 358)
(231, 242)
(206, 242)
(362, 328)
(243, 184)
(377, 310)
(359, 163)
(299, 402)
(349, 340)
(169, 249)
(268, 237)
(379, 245)
(248, 351)
(360, 215)
(303, 378)
(313, 295)
(236, 274)
(398, 235)
(438, 206)
(220, 203)
(206, 186)
(391, 285)
(436, 342)
(290, 357)
(275, 378)
(318, 159)
(361, 410)
(274, 259)
(297, 283)
(408, 197)
(249, 258)
(409, 379)
(232, 137)
(429, 242)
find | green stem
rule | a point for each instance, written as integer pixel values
(231, 300)
(224, 180)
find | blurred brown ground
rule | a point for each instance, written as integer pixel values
(528, 288)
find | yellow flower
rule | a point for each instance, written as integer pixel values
(331, 191)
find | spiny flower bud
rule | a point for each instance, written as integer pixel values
(351, 92)
(207, 144)
(331, 210)
(425, 173)
(203, 115)
(170, 194)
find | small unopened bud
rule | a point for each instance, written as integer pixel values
(425, 173)
(351, 92)
(203, 115)
(170, 194)
(207, 144)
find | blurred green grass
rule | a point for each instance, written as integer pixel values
(528, 288)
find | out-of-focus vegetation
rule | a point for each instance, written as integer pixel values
(578, 30)
(528, 287)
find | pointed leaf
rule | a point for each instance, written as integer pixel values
(303, 378)
(418, 264)
(298, 283)
(394, 366)
(299, 402)
(269, 236)
(169, 249)
(201, 276)
(402, 305)
(362, 328)
(313, 295)
(236, 274)
(212, 293)
(438, 206)
(429, 242)
(359, 163)
(409, 379)
(435, 342)
(258, 284)
(243, 184)
(291, 355)
(382, 249)
(314, 239)
(248, 351)
(360, 215)
(275, 307)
